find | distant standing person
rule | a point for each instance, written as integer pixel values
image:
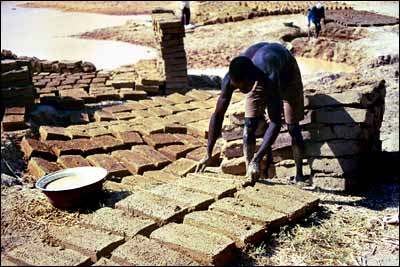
(315, 15)
(185, 8)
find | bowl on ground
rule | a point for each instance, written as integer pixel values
(72, 187)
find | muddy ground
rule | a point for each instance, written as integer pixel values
(348, 229)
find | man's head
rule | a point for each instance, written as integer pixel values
(318, 5)
(242, 73)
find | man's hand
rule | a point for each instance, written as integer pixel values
(253, 171)
(203, 163)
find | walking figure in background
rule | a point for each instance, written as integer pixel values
(315, 15)
(185, 15)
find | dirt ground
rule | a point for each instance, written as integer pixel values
(348, 229)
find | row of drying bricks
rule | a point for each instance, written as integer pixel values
(203, 218)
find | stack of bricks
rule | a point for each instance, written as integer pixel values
(16, 91)
(169, 33)
(340, 129)
(346, 117)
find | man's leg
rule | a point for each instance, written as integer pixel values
(298, 149)
(183, 16)
(317, 28)
(249, 138)
(187, 16)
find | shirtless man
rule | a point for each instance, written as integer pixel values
(269, 76)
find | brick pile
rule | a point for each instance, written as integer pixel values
(52, 66)
(218, 12)
(340, 129)
(17, 92)
(169, 33)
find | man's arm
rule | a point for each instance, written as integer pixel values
(274, 108)
(217, 118)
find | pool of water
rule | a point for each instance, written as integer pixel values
(44, 33)
(308, 66)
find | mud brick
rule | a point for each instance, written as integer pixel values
(84, 81)
(149, 152)
(339, 166)
(106, 95)
(140, 183)
(128, 93)
(159, 111)
(108, 143)
(97, 131)
(53, 133)
(174, 152)
(88, 76)
(181, 167)
(54, 83)
(13, 122)
(187, 107)
(161, 139)
(14, 111)
(129, 138)
(39, 167)
(118, 223)
(174, 108)
(342, 115)
(72, 161)
(162, 101)
(152, 89)
(143, 113)
(89, 147)
(99, 80)
(117, 108)
(175, 128)
(199, 153)
(117, 190)
(103, 116)
(162, 176)
(81, 132)
(194, 200)
(154, 207)
(40, 84)
(124, 115)
(335, 148)
(45, 255)
(118, 84)
(216, 188)
(199, 128)
(92, 243)
(64, 87)
(135, 162)
(294, 210)
(236, 179)
(105, 262)
(206, 247)
(179, 98)
(199, 95)
(34, 148)
(149, 103)
(134, 105)
(150, 128)
(142, 251)
(309, 200)
(115, 169)
(240, 230)
(202, 104)
(201, 114)
(191, 140)
(68, 82)
(254, 212)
